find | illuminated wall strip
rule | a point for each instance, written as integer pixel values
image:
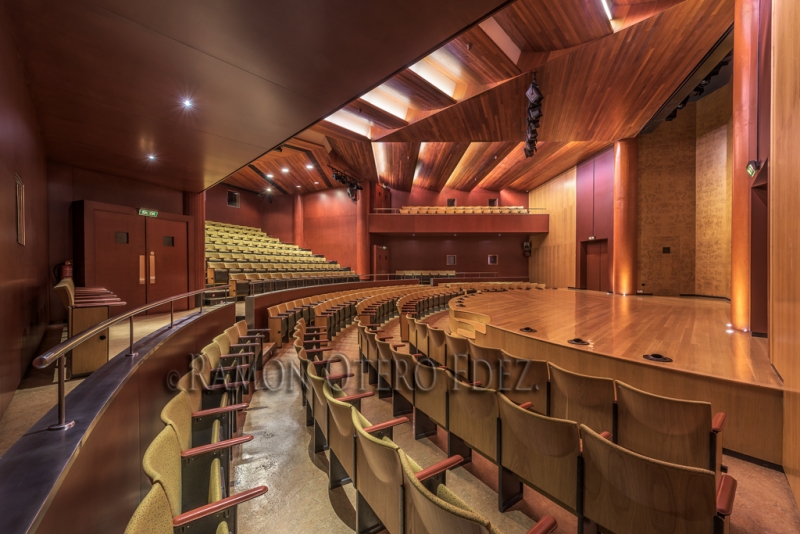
(380, 100)
(501, 39)
(350, 122)
(434, 76)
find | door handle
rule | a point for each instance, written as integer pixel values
(141, 269)
(152, 267)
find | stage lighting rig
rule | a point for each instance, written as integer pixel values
(351, 183)
(534, 115)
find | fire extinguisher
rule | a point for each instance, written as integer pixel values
(63, 270)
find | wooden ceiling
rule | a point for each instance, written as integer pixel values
(108, 79)
(456, 117)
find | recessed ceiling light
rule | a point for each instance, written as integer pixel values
(269, 190)
(187, 103)
(316, 183)
(151, 157)
(729, 331)
(309, 166)
(269, 176)
(298, 187)
(284, 169)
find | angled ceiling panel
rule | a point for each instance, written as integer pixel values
(436, 163)
(477, 162)
(396, 163)
(357, 155)
(474, 59)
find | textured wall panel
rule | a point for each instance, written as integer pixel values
(552, 260)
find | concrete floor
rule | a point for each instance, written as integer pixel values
(298, 499)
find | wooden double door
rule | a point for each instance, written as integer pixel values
(141, 259)
(597, 266)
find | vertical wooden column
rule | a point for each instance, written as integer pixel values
(784, 198)
(297, 226)
(623, 268)
(363, 262)
(194, 205)
(745, 148)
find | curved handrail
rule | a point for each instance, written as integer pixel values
(62, 348)
(60, 351)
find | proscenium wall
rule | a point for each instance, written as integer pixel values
(667, 207)
(552, 260)
(24, 273)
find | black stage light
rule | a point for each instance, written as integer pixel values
(534, 94)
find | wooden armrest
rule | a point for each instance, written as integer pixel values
(439, 468)
(317, 351)
(350, 398)
(546, 525)
(226, 386)
(232, 368)
(331, 378)
(240, 345)
(217, 506)
(375, 331)
(387, 424)
(725, 495)
(383, 338)
(213, 447)
(718, 423)
(282, 315)
(237, 355)
(526, 405)
(258, 330)
(252, 336)
(398, 345)
(370, 325)
(605, 434)
(314, 341)
(326, 362)
(323, 328)
(221, 410)
(476, 384)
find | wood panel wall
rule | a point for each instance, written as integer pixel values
(667, 207)
(330, 226)
(476, 197)
(24, 277)
(552, 260)
(248, 213)
(713, 175)
(277, 218)
(784, 191)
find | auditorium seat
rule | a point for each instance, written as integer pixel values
(379, 479)
(457, 355)
(484, 365)
(587, 400)
(437, 348)
(318, 376)
(523, 380)
(177, 471)
(435, 509)
(671, 430)
(471, 419)
(430, 399)
(627, 493)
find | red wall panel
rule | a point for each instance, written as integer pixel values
(247, 214)
(330, 226)
(594, 209)
(380, 223)
(24, 277)
(428, 253)
(476, 197)
(277, 218)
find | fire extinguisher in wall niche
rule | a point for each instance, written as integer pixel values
(526, 249)
(63, 270)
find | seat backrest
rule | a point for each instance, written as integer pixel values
(443, 513)
(541, 450)
(525, 380)
(472, 416)
(628, 493)
(587, 400)
(177, 414)
(224, 343)
(436, 344)
(431, 392)
(162, 464)
(485, 365)
(670, 430)
(341, 429)
(380, 477)
(212, 352)
(153, 515)
(190, 384)
(421, 329)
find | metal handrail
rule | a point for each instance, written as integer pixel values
(396, 211)
(60, 351)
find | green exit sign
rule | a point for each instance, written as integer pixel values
(148, 213)
(751, 169)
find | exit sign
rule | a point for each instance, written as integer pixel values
(751, 169)
(148, 213)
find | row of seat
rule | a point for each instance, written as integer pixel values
(530, 418)
(392, 490)
(242, 284)
(463, 210)
(189, 463)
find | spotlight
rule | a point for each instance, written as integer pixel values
(298, 187)
(187, 103)
(270, 176)
(269, 190)
(284, 170)
(151, 157)
(316, 183)
(309, 166)
(534, 115)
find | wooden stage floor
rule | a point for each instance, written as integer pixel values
(691, 331)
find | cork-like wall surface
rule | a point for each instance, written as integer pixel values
(667, 207)
(714, 171)
(552, 260)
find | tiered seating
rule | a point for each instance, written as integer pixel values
(528, 417)
(464, 210)
(377, 467)
(252, 262)
(424, 275)
(189, 463)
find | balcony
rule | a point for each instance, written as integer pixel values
(442, 220)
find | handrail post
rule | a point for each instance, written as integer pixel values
(171, 313)
(62, 400)
(130, 351)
